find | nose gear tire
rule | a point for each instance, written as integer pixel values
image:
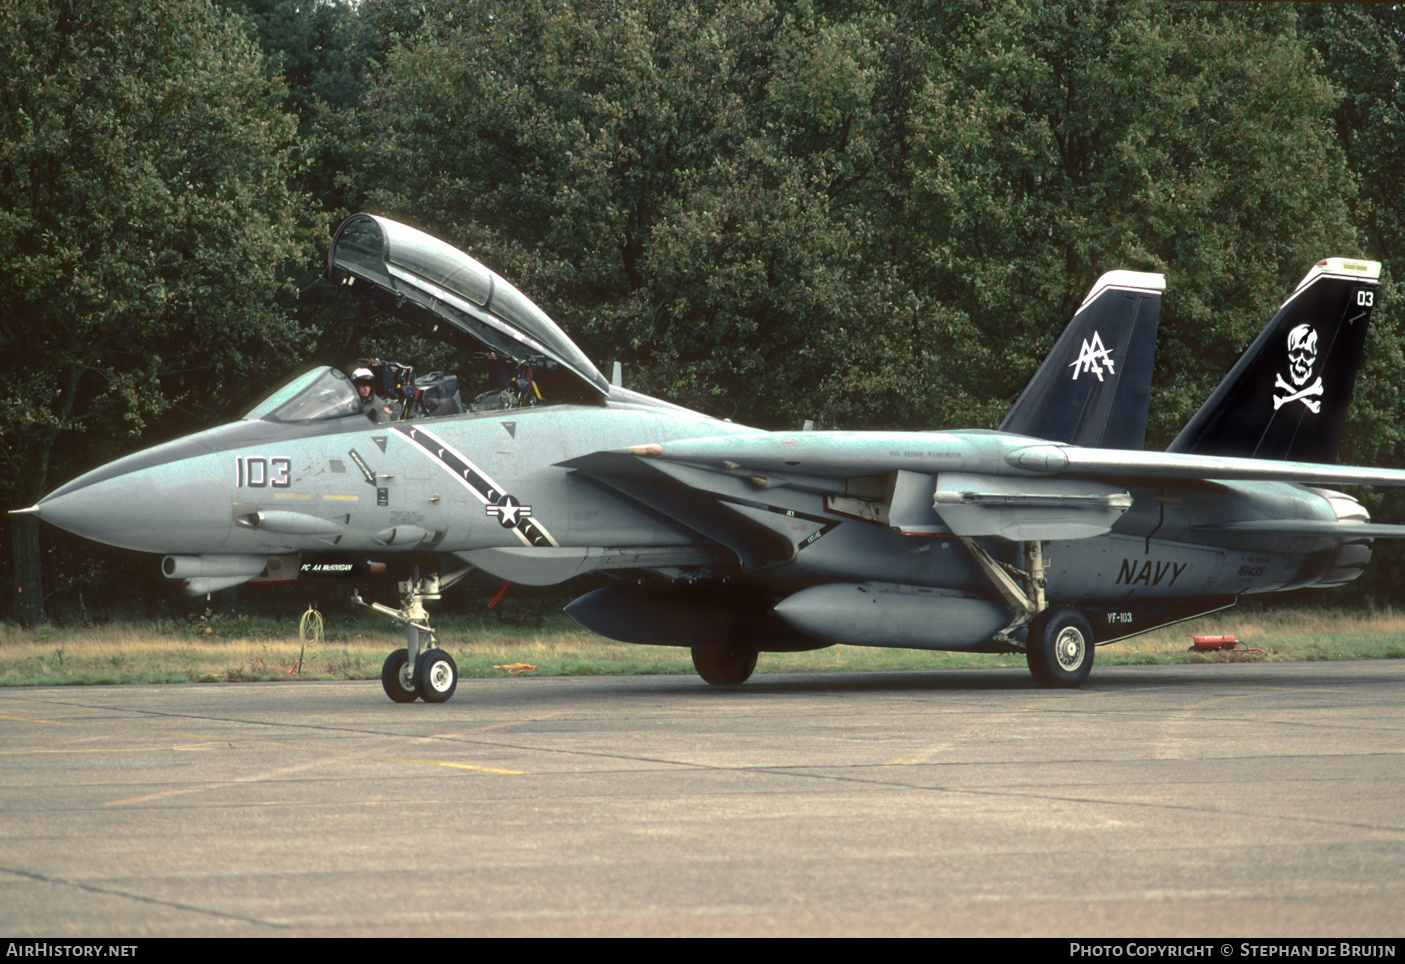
(395, 677)
(436, 676)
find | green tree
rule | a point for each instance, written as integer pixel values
(316, 48)
(693, 188)
(870, 213)
(1065, 140)
(145, 215)
(1362, 50)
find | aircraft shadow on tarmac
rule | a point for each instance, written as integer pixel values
(912, 681)
(1112, 678)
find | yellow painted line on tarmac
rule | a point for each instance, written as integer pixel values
(105, 727)
(907, 761)
(129, 749)
(210, 743)
(1288, 689)
(925, 756)
(283, 771)
(27, 719)
(163, 795)
(385, 758)
(462, 766)
(214, 785)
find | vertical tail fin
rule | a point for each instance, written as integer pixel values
(1287, 396)
(1095, 384)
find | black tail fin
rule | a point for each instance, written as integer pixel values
(1287, 396)
(1094, 386)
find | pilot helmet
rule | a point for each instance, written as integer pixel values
(363, 375)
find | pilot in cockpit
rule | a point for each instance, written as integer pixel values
(373, 406)
(390, 392)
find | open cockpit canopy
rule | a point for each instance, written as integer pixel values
(451, 297)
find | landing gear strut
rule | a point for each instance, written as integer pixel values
(1059, 641)
(421, 670)
(1022, 589)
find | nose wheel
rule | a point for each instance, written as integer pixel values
(396, 678)
(421, 670)
(436, 676)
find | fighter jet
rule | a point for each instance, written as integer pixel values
(1051, 536)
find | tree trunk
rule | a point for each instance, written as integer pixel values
(29, 586)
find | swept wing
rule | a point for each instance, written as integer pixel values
(842, 454)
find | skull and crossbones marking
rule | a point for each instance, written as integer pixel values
(1302, 355)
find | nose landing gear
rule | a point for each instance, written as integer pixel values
(421, 670)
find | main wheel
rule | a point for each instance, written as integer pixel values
(436, 676)
(1059, 649)
(724, 667)
(395, 677)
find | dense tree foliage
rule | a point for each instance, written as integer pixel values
(317, 49)
(1361, 50)
(144, 211)
(1073, 139)
(883, 218)
(869, 214)
(683, 186)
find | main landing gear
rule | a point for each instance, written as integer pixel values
(1059, 642)
(421, 670)
(724, 667)
(1059, 648)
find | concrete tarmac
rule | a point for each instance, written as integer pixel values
(1219, 800)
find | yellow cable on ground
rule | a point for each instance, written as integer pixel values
(310, 628)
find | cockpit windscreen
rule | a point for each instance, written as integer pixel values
(319, 394)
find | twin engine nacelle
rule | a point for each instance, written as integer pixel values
(1350, 557)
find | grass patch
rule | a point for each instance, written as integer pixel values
(244, 649)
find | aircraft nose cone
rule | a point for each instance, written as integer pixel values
(182, 506)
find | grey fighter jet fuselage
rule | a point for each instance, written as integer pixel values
(733, 541)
